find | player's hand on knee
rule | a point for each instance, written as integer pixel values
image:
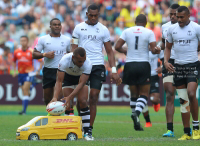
(117, 79)
(169, 67)
(49, 55)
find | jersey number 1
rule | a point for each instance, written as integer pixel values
(136, 42)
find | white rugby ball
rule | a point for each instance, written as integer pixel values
(55, 108)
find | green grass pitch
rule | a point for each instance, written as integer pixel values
(113, 127)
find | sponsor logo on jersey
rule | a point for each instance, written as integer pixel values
(174, 33)
(189, 33)
(92, 37)
(183, 42)
(48, 43)
(82, 29)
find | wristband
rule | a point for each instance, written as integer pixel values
(114, 70)
(43, 54)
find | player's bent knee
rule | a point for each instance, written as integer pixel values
(83, 103)
(145, 109)
(191, 95)
(184, 100)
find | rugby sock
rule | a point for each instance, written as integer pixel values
(195, 125)
(85, 115)
(140, 104)
(25, 103)
(187, 131)
(67, 112)
(90, 130)
(133, 104)
(147, 118)
(170, 127)
(71, 112)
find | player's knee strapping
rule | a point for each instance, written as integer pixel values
(133, 101)
(184, 100)
(140, 104)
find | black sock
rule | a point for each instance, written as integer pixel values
(170, 127)
(195, 125)
(147, 118)
(71, 111)
(67, 112)
(187, 131)
(138, 113)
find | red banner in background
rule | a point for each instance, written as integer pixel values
(10, 93)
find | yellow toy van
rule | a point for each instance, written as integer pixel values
(51, 127)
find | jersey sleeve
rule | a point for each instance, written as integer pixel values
(198, 32)
(152, 37)
(162, 29)
(87, 67)
(123, 35)
(62, 65)
(106, 37)
(169, 35)
(75, 33)
(40, 45)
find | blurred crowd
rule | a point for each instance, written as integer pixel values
(32, 17)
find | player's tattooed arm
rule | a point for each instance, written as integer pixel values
(118, 46)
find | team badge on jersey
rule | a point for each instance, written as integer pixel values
(97, 30)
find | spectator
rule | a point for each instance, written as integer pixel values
(12, 17)
(61, 14)
(23, 8)
(8, 41)
(2, 28)
(113, 37)
(125, 13)
(156, 30)
(15, 35)
(165, 12)
(71, 27)
(45, 18)
(54, 11)
(4, 4)
(5, 61)
(155, 16)
(2, 44)
(120, 26)
(30, 17)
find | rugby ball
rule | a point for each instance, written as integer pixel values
(55, 108)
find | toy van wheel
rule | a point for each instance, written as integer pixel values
(33, 136)
(71, 136)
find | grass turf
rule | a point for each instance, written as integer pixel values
(113, 127)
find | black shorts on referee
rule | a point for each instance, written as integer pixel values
(137, 73)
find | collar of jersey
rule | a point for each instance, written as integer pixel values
(91, 25)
